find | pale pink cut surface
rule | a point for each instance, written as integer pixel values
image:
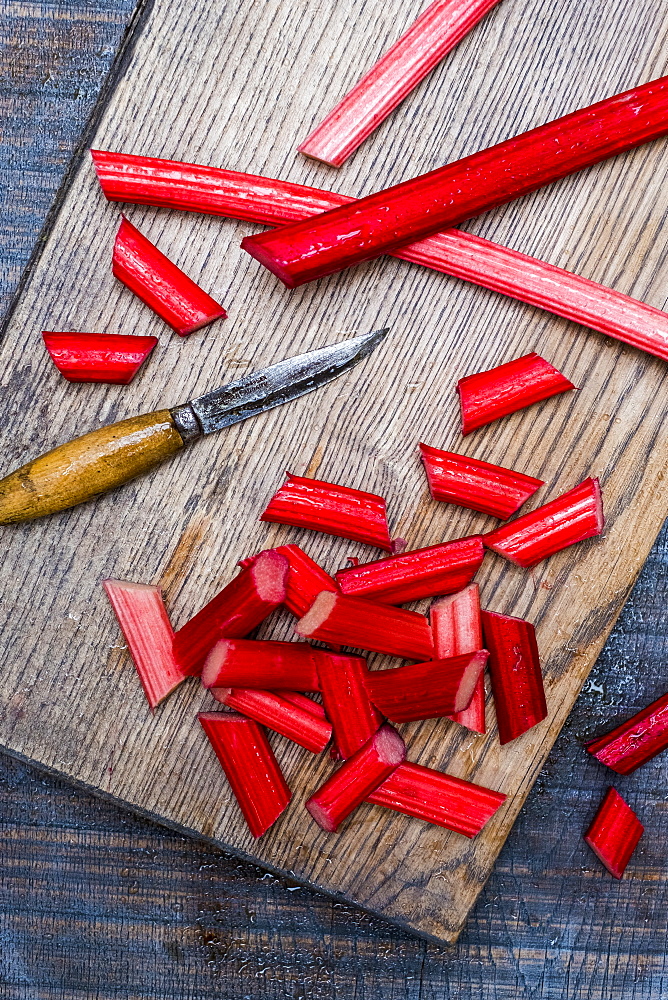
(389, 745)
(220, 694)
(270, 573)
(317, 614)
(214, 661)
(470, 679)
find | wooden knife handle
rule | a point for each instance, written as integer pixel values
(87, 466)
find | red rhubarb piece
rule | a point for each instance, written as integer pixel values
(146, 628)
(352, 621)
(338, 510)
(277, 713)
(305, 580)
(239, 608)
(636, 741)
(438, 569)
(517, 681)
(357, 778)
(264, 664)
(98, 357)
(386, 220)
(476, 485)
(535, 536)
(457, 629)
(438, 798)
(353, 717)
(426, 690)
(614, 833)
(161, 284)
(146, 180)
(486, 396)
(250, 767)
(437, 30)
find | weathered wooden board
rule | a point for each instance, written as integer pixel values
(239, 87)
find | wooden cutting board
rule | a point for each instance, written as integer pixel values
(238, 85)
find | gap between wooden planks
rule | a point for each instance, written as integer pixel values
(239, 87)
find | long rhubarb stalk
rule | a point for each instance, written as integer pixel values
(146, 180)
(98, 357)
(489, 395)
(337, 510)
(277, 713)
(426, 690)
(517, 681)
(163, 286)
(457, 628)
(354, 719)
(245, 602)
(438, 798)
(614, 833)
(437, 30)
(146, 628)
(305, 251)
(250, 767)
(535, 536)
(357, 778)
(438, 569)
(636, 741)
(264, 664)
(351, 621)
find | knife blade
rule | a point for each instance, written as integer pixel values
(110, 456)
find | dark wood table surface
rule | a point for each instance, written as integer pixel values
(97, 903)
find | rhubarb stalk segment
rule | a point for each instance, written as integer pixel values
(270, 709)
(387, 220)
(426, 690)
(163, 286)
(191, 187)
(614, 833)
(98, 357)
(457, 629)
(250, 767)
(305, 580)
(354, 719)
(571, 518)
(636, 741)
(338, 510)
(476, 485)
(437, 30)
(266, 664)
(517, 680)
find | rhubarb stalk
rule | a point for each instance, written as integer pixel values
(517, 681)
(98, 357)
(250, 767)
(305, 580)
(438, 798)
(146, 180)
(426, 690)
(636, 741)
(614, 833)
(146, 628)
(535, 536)
(277, 713)
(437, 30)
(438, 569)
(264, 664)
(457, 629)
(158, 282)
(354, 719)
(357, 778)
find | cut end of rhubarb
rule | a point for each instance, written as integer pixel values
(389, 746)
(318, 613)
(221, 694)
(214, 662)
(270, 573)
(470, 679)
(253, 246)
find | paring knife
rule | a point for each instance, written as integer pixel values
(108, 457)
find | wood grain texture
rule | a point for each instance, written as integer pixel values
(442, 330)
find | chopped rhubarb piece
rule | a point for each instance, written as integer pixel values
(426, 690)
(438, 798)
(338, 510)
(517, 681)
(146, 180)
(162, 285)
(437, 30)
(357, 778)
(457, 628)
(250, 597)
(438, 569)
(535, 536)
(250, 767)
(476, 485)
(386, 220)
(305, 580)
(486, 396)
(98, 357)
(264, 664)
(356, 622)
(146, 628)
(353, 717)
(636, 741)
(614, 833)
(277, 713)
